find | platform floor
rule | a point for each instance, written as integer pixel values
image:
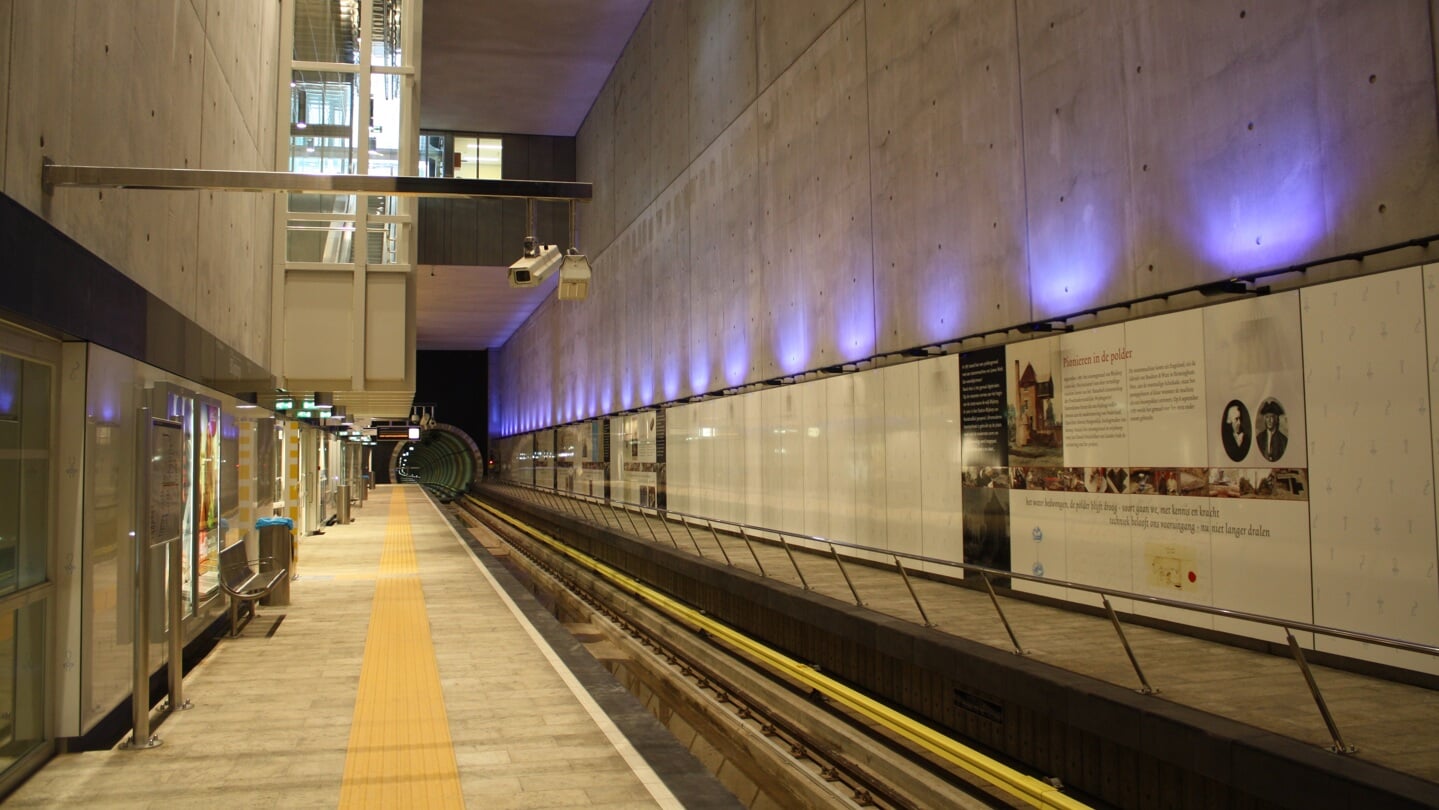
(406, 672)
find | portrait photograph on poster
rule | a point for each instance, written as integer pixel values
(1236, 431)
(1254, 363)
(1272, 437)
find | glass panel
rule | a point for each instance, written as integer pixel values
(322, 122)
(435, 155)
(329, 242)
(24, 472)
(385, 129)
(385, 22)
(34, 473)
(323, 204)
(477, 158)
(384, 206)
(11, 406)
(22, 682)
(327, 31)
(384, 243)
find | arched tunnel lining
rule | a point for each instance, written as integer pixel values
(444, 456)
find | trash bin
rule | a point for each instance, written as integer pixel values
(277, 541)
(364, 488)
(342, 504)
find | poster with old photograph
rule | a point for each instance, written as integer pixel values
(1254, 383)
(1035, 404)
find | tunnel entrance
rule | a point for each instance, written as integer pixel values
(444, 459)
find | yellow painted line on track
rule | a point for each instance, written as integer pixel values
(1026, 788)
(400, 753)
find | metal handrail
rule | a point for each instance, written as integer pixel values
(1336, 632)
(745, 530)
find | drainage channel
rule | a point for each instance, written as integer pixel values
(770, 740)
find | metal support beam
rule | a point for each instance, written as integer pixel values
(53, 175)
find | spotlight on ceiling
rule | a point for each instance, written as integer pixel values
(537, 262)
(574, 277)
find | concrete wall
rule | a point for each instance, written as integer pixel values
(156, 83)
(783, 186)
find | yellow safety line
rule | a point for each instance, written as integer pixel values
(1028, 789)
(400, 753)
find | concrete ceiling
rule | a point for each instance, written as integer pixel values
(471, 307)
(499, 66)
(531, 68)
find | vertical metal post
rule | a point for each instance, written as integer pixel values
(1013, 639)
(844, 572)
(715, 535)
(178, 703)
(140, 737)
(905, 576)
(1339, 746)
(1114, 619)
(693, 541)
(752, 552)
(793, 562)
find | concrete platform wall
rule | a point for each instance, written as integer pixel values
(784, 186)
(158, 83)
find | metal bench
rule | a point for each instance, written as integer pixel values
(244, 584)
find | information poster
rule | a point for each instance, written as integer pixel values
(1156, 457)
(639, 464)
(207, 539)
(984, 435)
(1094, 376)
(984, 454)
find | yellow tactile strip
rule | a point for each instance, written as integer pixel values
(400, 753)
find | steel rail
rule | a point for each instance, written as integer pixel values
(1032, 791)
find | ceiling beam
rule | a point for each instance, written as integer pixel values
(54, 175)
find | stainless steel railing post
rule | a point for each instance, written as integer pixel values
(1339, 746)
(664, 521)
(646, 518)
(693, 541)
(1114, 619)
(634, 527)
(752, 552)
(845, 573)
(905, 575)
(1013, 639)
(723, 553)
(793, 562)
